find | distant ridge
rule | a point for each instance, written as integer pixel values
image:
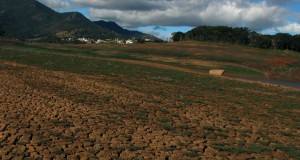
(124, 32)
(113, 26)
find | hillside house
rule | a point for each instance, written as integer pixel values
(83, 40)
(129, 41)
(100, 41)
(119, 41)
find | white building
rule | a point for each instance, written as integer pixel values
(129, 41)
(83, 40)
(100, 41)
(119, 41)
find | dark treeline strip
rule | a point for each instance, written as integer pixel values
(240, 36)
(1, 31)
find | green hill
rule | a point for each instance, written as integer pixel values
(31, 20)
(240, 36)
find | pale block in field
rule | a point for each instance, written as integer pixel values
(217, 72)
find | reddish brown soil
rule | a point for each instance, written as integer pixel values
(281, 62)
(57, 115)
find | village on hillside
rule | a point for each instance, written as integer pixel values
(111, 41)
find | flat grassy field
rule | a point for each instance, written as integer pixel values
(146, 101)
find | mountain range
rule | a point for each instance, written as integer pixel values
(32, 20)
(119, 30)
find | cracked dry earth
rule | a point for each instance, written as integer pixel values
(58, 115)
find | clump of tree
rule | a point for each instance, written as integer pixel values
(1, 32)
(296, 43)
(178, 36)
(240, 36)
(260, 41)
(219, 34)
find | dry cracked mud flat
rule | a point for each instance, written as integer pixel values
(58, 115)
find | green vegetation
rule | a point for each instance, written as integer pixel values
(241, 147)
(164, 120)
(135, 148)
(234, 70)
(86, 98)
(293, 151)
(209, 128)
(192, 153)
(58, 151)
(257, 148)
(164, 110)
(142, 115)
(1, 32)
(171, 148)
(225, 147)
(63, 123)
(168, 127)
(245, 133)
(241, 36)
(287, 134)
(259, 62)
(45, 142)
(56, 134)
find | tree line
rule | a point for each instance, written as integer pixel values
(1, 32)
(240, 36)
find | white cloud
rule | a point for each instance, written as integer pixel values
(58, 4)
(292, 28)
(234, 13)
(257, 15)
(216, 13)
(140, 5)
(260, 16)
(152, 32)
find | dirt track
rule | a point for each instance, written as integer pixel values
(182, 69)
(153, 64)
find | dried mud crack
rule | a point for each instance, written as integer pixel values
(59, 115)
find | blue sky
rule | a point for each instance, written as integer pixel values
(163, 17)
(164, 32)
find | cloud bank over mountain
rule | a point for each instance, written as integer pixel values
(257, 15)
